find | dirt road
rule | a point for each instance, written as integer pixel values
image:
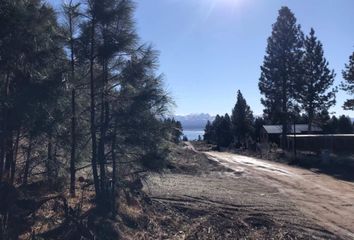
(323, 199)
(215, 195)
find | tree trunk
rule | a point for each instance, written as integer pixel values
(2, 143)
(73, 111)
(13, 164)
(114, 170)
(310, 121)
(2, 154)
(101, 146)
(9, 158)
(49, 162)
(103, 129)
(310, 126)
(73, 145)
(283, 135)
(3, 130)
(92, 108)
(28, 161)
(284, 116)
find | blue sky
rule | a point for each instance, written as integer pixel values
(211, 48)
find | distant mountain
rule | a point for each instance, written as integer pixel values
(194, 121)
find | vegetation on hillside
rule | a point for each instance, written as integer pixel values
(79, 92)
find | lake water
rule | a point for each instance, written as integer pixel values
(193, 134)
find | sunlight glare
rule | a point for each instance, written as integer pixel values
(232, 3)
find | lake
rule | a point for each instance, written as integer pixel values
(193, 134)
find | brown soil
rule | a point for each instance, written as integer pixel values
(324, 199)
(227, 196)
(210, 195)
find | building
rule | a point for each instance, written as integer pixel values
(334, 143)
(272, 133)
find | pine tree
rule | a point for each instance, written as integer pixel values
(64, 87)
(72, 19)
(174, 129)
(331, 126)
(110, 34)
(207, 132)
(281, 69)
(219, 131)
(127, 98)
(259, 122)
(313, 91)
(215, 132)
(345, 125)
(322, 120)
(348, 84)
(30, 75)
(226, 131)
(241, 120)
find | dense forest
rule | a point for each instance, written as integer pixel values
(79, 92)
(297, 86)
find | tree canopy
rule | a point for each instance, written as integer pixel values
(84, 90)
(348, 84)
(281, 69)
(241, 120)
(314, 92)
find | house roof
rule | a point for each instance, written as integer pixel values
(322, 135)
(273, 129)
(300, 128)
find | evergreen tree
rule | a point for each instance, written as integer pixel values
(109, 33)
(219, 131)
(208, 132)
(136, 107)
(281, 69)
(216, 133)
(241, 120)
(86, 90)
(322, 119)
(259, 122)
(224, 131)
(313, 91)
(174, 129)
(348, 84)
(31, 53)
(71, 14)
(178, 131)
(331, 127)
(345, 125)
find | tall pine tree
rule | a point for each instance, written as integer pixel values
(225, 130)
(345, 125)
(348, 84)
(30, 76)
(71, 12)
(281, 68)
(207, 132)
(241, 120)
(314, 91)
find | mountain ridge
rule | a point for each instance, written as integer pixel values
(194, 121)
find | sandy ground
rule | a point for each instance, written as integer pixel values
(238, 197)
(323, 199)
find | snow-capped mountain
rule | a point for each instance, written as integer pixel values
(194, 121)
